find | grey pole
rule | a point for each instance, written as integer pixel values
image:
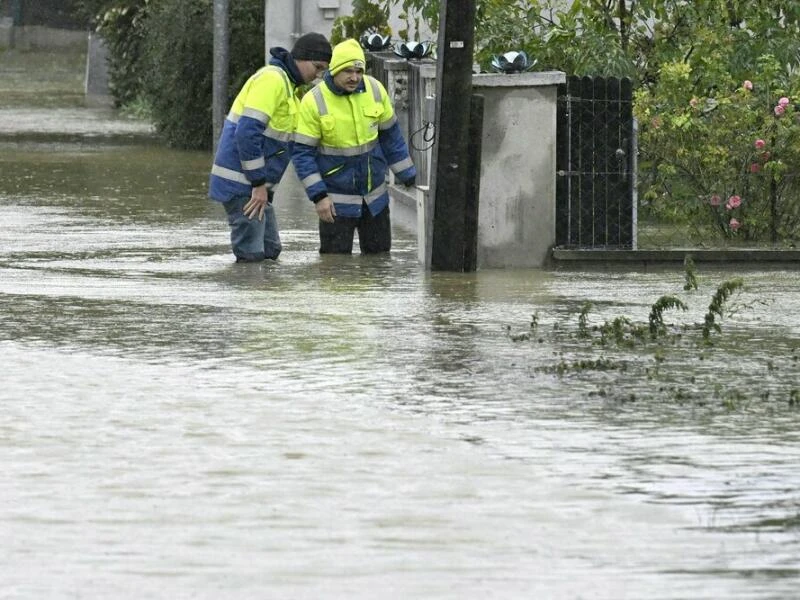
(220, 77)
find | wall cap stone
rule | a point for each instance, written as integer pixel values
(531, 79)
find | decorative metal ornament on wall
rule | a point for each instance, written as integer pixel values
(375, 42)
(413, 50)
(512, 62)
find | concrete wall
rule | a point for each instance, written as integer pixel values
(96, 82)
(516, 217)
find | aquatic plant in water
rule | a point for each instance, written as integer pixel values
(717, 306)
(690, 273)
(667, 358)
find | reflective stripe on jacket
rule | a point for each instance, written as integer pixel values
(256, 142)
(346, 143)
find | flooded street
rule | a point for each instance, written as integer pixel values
(175, 425)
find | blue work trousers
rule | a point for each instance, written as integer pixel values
(374, 233)
(252, 240)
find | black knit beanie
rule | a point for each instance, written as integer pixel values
(312, 46)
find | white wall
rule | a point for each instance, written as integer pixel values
(286, 20)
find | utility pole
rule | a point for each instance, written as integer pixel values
(219, 104)
(456, 170)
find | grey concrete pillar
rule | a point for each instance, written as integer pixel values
(96, 82)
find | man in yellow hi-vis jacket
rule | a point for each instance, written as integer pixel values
(256, 145)
(347, 138)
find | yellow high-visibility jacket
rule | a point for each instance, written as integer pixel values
(345, 143)
(256, 142)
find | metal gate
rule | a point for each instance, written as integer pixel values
(596, 164)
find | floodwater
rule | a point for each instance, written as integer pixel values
(175, 425)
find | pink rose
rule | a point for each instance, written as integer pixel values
(784, 102)
(755, 168)
(733, 202)
(715, 200)
(779, 110)
(748, 85)
(759, 144)
(734, 224)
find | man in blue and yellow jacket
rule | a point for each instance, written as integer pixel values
(347, 139)
(256, 144)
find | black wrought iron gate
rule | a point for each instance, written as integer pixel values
(595, 163)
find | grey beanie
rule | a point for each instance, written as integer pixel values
(312, 46)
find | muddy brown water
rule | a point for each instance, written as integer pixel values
(175, 425)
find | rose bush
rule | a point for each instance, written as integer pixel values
(739, 142)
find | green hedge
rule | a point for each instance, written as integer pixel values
(179, 71)
(122, 26)
(162, 58)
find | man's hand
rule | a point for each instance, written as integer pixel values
(325, 210)
(257, 203)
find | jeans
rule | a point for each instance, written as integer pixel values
(252, 240)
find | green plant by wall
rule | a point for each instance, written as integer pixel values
(161, 61)
(179, 71)
(92, 11)
(179, 64)
(373, 17)
(367, 17)
(122, 26)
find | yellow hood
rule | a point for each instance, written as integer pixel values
(347, 54)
